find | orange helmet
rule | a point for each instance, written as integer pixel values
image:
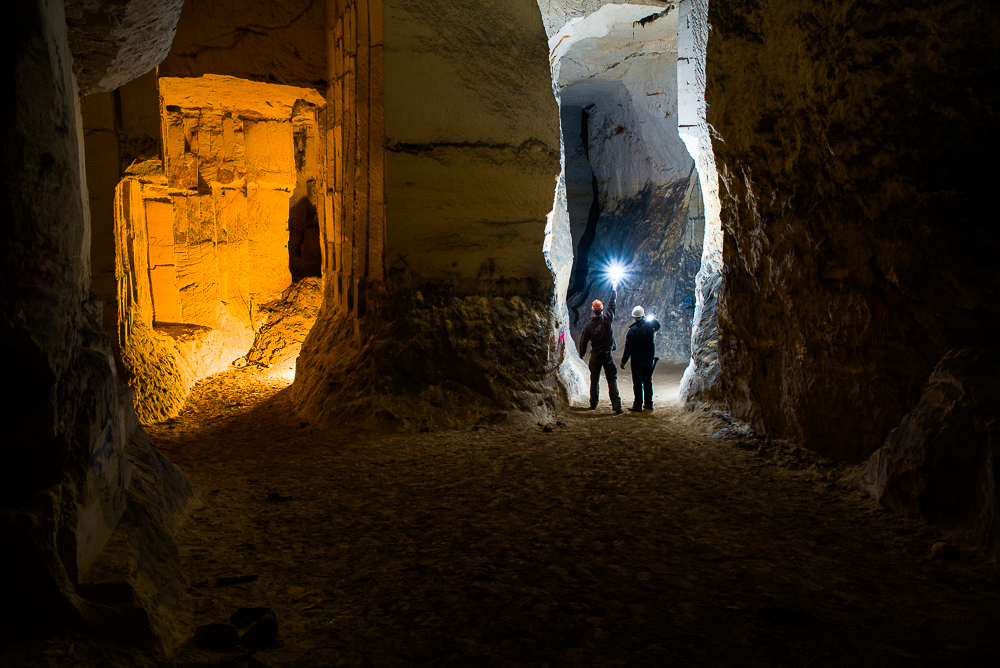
(598, 305)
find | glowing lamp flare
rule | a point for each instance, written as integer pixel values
(616, 272)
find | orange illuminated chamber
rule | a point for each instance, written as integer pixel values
(203, 235)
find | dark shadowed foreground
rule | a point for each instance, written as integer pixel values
(631, 540)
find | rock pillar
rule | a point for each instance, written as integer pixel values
(442, 156)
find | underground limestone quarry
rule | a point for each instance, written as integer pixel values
(292, 303)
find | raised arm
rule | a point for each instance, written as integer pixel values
(610, 308)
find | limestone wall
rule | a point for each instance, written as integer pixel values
(442, 157)
(353, 217)
(257, 40)
(700, 384)
(471, 140)
(103, 173)
(203, 239)
(119, 128)
(856, 148)
(71, 432)
(629, 179)
(557, 13)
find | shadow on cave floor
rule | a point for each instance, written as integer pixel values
(632, 540)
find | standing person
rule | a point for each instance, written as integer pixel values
(640, 347)
(597, 332)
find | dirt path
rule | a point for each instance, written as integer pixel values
(612, 540)
(631, 540)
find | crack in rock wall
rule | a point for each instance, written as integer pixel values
(257, 40)
(857, 147)
(556, 14)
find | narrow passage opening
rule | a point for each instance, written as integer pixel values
(631, 194)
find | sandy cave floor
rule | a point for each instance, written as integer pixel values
(613, 540)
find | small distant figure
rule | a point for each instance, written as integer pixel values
(640, 347)
(597, 333)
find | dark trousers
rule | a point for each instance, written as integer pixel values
(604, 361)
(642, 382)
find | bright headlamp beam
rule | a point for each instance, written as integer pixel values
(616, 272)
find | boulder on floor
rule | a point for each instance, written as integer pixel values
(939, 464)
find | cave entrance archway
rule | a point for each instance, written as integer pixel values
(218, 242)
(630, 190)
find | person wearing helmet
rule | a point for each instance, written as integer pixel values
(597, 333)
(640, 348)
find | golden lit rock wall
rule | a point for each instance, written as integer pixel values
(353, 218)
(857, 148)
(203, 242)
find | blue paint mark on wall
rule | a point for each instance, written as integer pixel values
(102, 449)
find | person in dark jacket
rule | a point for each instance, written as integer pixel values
(640, 347)
(597, 333)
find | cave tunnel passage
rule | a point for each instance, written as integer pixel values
(217, 242)
(595, 539)
(632, 194)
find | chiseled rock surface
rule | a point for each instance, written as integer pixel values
(63, 482)
(259, 40)
(856, 147)
(436, 360)
(135, 590)
(69, 477)
(115, 41)
(472, 139)
(165, 362)
(286, 322)
(941, 463)
(557, 13)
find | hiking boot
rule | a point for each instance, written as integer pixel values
(618, 409)
(649, 407)
(593, 407)
(635, 409)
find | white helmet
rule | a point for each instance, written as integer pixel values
(638, 312)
